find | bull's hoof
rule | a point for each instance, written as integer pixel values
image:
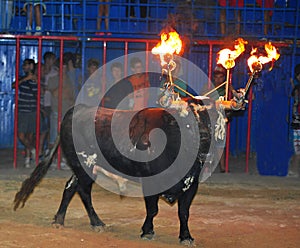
(99, 229)
(148, 236)
(57, 225)
(187, 242)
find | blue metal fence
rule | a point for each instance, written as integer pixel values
(199, 19)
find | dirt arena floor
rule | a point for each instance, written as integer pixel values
(230, 210)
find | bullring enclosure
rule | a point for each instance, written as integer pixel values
(231, 210)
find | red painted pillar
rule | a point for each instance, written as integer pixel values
(249, 130)
(16, 102)
(59, 110)
(38, 102)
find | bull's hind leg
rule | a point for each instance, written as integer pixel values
(184, 203)
(70, 190)
(84, 192)
(151, 203)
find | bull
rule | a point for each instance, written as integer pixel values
(174, 187)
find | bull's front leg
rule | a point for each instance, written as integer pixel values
(151, 203)
(184, 204)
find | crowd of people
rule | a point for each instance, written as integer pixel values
(56, 99)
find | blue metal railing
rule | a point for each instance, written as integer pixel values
(199, 19)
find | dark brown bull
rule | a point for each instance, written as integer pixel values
(77, 127)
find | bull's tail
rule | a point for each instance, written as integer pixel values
(35, 178)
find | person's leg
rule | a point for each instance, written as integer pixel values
(106, 11)
(238, 21)
(130, 9)
(53, 128)
(143, 9)
(25, 142)
(37, 12)
(38, 21)
(267, 19)
(100, 14)
(223, 21)
(29, 18)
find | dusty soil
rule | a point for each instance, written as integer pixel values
(230, 210)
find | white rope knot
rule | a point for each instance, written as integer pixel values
(220, 126)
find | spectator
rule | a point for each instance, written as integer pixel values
(267, 13)
(67, 98)
(38, 7)
(72, 71)
(93, 85)
(6, 10)
(295, 125)
(130, 8)
(237, 13)
(27, 102)
(103, 10)
(48, 70)
(118, 94)
(140, 83)
(44, 129)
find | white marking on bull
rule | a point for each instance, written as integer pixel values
(188, 182)
(89, 159)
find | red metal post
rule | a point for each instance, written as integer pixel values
(38, 106)
(210, 66)
(147, 57)
(249, 130)
(59, 110)
(103, 77)
(126, 59)
(228, 130)
(16, 102)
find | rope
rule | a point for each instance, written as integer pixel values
(220, 126)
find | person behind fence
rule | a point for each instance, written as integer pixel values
(266, 5)
(118, 94)
(27, 102)
(73, 72)
(68, 100)
(132, 4)
(93, 83)
(237, 14)
(44, 129)
(140, 83)
(34, 8)
(295, 125)
(103, 11)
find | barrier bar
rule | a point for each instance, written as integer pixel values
(16, 102)
(249, 130)
(38, 104)
(59, 110)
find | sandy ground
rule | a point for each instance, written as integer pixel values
(230, 210)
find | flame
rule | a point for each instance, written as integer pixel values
(170, 43)
(226, 56)
(255, 62)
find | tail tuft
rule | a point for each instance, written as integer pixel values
(35, 178)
